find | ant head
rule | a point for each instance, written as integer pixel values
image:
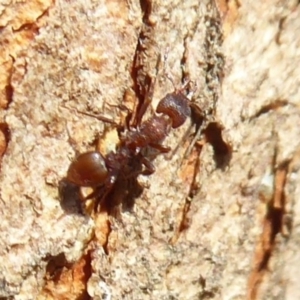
(175, 105)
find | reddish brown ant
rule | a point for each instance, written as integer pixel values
(93, 169)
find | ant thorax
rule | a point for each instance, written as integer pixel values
(156, 128)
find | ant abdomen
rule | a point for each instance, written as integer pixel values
(88, 170)
(176, 106)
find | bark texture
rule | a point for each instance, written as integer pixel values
(219, 223)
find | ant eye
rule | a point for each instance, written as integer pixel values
(176, 106)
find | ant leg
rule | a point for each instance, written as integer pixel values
(183, 139)
(98, 117)
(160, 148)
(148, 97)
(196, 138)
(72, 141)
(128, 116)
(149, 167)
(101, 192)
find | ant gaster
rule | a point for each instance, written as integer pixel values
(93, 169)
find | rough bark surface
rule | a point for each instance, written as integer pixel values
(219, 223)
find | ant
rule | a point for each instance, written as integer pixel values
(101, 172)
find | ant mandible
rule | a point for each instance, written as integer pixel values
(93, 169)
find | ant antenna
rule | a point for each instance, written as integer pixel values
(187, 82)
(168, 76)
